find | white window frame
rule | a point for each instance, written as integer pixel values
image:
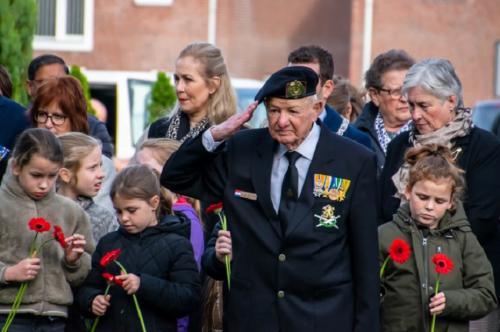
(497, 69)
(162, 3)
(66, 42)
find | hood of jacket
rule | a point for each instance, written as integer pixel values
(178, 224)
(451, 220)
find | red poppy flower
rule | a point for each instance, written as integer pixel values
(399, 251)
(443, 263)
(59, 236)
(108, 276)
(112, 279)
(109, 257)
(214, 208)
(39, 225)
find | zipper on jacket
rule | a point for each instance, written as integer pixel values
(425, 286)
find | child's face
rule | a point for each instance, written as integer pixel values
(429, 201)
(88, 179)
(145, 157)
(136, 214)
(36, 178)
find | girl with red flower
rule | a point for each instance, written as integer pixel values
(447, 275)
(32, 264)
(151, 261)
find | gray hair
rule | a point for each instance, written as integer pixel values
(437, 77)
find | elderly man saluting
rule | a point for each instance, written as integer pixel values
(300, 205)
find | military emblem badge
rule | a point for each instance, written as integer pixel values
(331, 187)
(295, 89)
(327, 219)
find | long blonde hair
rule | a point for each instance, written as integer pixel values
(222, 103)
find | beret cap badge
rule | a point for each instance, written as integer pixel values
(295, 89)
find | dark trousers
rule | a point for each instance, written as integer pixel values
(32, 323)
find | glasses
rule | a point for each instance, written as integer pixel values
(393, 93)
(56, 119)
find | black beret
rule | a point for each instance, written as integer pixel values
(292, 82)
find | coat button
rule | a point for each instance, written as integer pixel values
(281, 294)
(282, 257)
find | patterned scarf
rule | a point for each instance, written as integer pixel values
(383, 137)
(175, 122)
(458, 127)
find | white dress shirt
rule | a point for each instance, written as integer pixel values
(280, 161)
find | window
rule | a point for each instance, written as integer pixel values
(64, 25)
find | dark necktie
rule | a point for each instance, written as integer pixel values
(289, 190)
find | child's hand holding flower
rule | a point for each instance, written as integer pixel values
(25, 270)
(223, 246)
(100, 304)
(437, 303)
(130, 282)
(75, 248)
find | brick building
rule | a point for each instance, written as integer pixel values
(256, 35)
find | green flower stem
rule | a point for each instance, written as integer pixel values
(22, 290)
(136, 303)
(15, 306)
(96, 320)
(227, 263)
(382, 269)
(433, 325)
(139, 313)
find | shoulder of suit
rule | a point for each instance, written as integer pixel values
(348, 144)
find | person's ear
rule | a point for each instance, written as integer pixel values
(318, 107)
(30, 88)
(328, 88)
(214, 84)
(154, 202)
(374, 96)
(65, 175)
(16, 169)
(407, 193)
(452, 100)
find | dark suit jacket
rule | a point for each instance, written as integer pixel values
(333, 121)
(310, 279)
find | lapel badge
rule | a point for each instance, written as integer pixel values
(245, 194)
(295, 89)
(327, 219)
(331, 187)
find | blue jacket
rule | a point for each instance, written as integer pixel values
(13, 121)
(334, 121)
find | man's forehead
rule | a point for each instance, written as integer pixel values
(286, 103)
(50, 71)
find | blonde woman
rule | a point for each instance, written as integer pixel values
(204, 93)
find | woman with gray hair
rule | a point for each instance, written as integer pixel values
(434, 94)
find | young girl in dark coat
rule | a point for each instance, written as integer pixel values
(157, 255)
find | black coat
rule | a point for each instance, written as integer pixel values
(480, 159)
(99, 130)
(365, 123)
(162, 257)
(311, 278)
